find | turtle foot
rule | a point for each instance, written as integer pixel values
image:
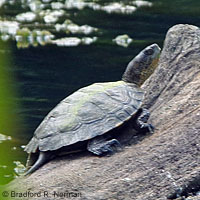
(102, 147)
(141, 122)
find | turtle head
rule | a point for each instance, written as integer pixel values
(143, 65)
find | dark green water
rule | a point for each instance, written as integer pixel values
(44, 75)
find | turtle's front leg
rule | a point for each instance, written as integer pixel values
(141, 121)
(100, 146)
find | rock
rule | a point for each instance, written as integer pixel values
(164, 164)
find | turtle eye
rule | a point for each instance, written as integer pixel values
(149, 52)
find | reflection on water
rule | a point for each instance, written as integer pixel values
(24, 37)
(4, 137)
(123, 40)
(59, 46)
(50, 15)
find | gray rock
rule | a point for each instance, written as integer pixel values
(163, 164)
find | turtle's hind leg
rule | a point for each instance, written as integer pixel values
(141, 121)
(99, 145)
(42, 159)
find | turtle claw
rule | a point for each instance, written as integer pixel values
(103, 147)
(115, 143)
(147, 128)
(111, 146)
(151, 128)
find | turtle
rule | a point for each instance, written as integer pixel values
(86, 118)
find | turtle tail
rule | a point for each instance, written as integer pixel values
(42, 159)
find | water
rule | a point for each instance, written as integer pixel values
(47, 69)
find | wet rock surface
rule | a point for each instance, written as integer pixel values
(164, 164)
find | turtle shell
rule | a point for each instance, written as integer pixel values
(89, 112)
